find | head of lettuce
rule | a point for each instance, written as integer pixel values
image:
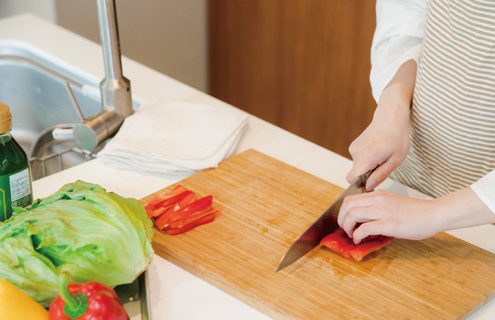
(81, 229)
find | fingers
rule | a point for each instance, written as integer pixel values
(370, 224)
(366, 210)
(367, 155)
(371, 228)
(357, 169)
(381, 173)
(361, 163)
(355, 216)
(355, 209)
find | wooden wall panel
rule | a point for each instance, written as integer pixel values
(302, 65)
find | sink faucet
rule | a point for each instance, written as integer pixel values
(116, 98)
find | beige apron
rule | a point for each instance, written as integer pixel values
(452, 125)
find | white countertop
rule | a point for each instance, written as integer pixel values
(175, 293)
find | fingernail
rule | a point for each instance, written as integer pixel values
(370, 185)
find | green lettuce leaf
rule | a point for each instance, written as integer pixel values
(92, 234)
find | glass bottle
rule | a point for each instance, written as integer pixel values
(15, 172)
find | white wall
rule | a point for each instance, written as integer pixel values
(167, 35)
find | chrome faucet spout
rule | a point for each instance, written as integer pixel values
(116, 97)
(115, 88)
(107, 18)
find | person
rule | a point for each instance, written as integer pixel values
(433, 77)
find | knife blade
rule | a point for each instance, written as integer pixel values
(324, 225)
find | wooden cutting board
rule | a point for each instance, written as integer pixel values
(266, 204)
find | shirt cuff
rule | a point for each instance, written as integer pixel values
(485, 190)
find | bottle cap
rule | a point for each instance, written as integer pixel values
(5, 118)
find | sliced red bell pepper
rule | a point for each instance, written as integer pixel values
(174, 215)
(195, 216)
(196, 223)
(368, 246)
(170, 203)
(167, 216)
(188, 199)
(339, 242)
(163, 221)
(153, 213)
(179, 210)
(160, 199)
(198, 205)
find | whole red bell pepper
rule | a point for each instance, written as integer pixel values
(86, 301)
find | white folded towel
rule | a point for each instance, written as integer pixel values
(175, 137)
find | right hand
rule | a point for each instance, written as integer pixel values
(383, 145)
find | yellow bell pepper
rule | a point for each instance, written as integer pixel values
(17, 305)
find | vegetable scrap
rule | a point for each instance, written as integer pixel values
(339, 242)
(179, 210)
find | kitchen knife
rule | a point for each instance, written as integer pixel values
(324, 225)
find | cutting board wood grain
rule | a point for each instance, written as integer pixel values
(266, 204)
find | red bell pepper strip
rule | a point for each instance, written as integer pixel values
(339, 242)
(196, 223)
(195, 216)
(366, 247)
(198, 205)
(169, 203)
(163, 220)
(188, 199)
(153, 213)
(179, 210)
(171, 215)
(86, 301)
(166, 198)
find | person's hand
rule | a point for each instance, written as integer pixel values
(383, 145)
(385, 142)
(384, 213)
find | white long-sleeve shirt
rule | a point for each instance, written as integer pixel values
(400, 29)
(399, 38)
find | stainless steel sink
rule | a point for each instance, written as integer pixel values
(33, 83)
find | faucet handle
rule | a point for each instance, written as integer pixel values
(73, 100)
(97, 128)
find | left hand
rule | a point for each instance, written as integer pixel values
(388, 214)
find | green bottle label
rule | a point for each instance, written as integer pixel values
(15, 191)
